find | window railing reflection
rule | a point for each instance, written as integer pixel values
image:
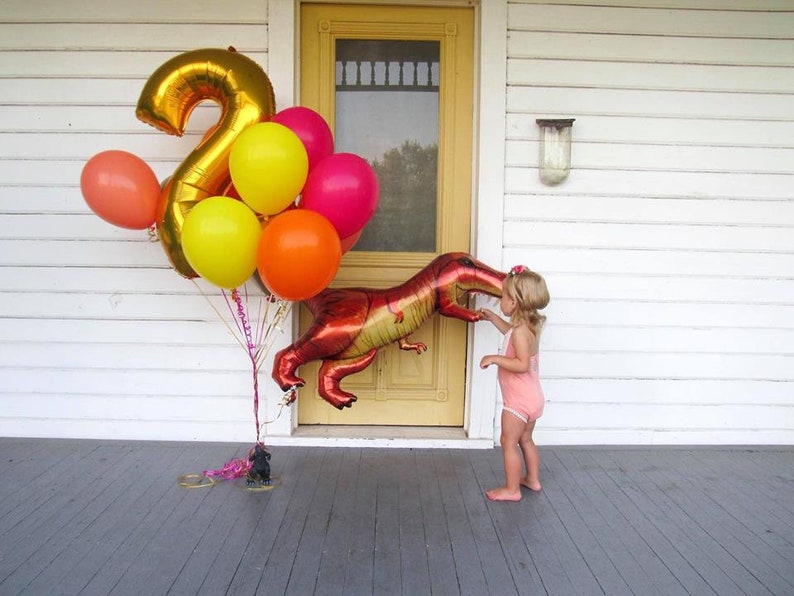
(382, 65)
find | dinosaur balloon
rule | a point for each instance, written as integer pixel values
(351, 324)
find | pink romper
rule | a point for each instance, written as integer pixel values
(522, 395)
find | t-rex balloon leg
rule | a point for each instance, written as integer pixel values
(351, 324)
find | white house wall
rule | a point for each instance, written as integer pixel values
(669, 251)
(100, 336)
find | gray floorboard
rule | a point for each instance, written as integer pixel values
(440, 558)
(695, 546)
(358, 514)
(604, 522)
(386, 561)
(506, 572)
(735, 536)
(462, 537)
(337, 552)
(96, 518)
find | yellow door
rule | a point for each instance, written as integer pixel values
(395, 84)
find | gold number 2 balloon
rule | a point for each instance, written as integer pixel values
(245, 95)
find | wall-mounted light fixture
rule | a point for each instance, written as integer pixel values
(555, 150)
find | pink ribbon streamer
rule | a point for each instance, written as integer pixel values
(232, 469)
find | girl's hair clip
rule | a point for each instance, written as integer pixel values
(516, 270)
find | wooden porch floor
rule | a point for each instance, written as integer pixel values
(96, 518)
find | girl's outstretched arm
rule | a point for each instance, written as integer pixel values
(486, 314)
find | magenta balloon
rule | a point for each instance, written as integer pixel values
(344, 188)
(312, 130)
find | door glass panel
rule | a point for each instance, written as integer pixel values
(387, 98)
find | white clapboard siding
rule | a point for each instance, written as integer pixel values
(669, 250)
(122, 37)
(661, 262)
(99, 336)
(201, 13)
(661, 50)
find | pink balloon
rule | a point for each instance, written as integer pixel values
(311, 129)
(344, 188)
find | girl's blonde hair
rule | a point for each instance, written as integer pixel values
(529, 290)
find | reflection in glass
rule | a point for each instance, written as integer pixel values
(387, 96)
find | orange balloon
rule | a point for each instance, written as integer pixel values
(121, 188)
(298, 254)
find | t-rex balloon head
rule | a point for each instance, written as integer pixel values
(351, 324)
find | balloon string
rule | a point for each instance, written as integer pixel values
(257, 341)
(233, 306)
(264, 311)
(251, 348)
(268, 335)
(220, 316)
(286, 400)
(244, 336)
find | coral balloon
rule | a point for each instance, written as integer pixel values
(219, 237)
(298, 254)
(245, 95)
(121, 188)
(312, 130)
(344, 188)
(350, 241)
(268, 164)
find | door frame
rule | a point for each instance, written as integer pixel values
(489, 134)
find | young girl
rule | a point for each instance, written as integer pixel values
(524, 292)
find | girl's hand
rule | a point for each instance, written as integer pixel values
(486, 361)
(486, 314)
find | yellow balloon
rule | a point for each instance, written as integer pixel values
(219, 239)
(268, 164)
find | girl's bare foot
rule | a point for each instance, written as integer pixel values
(503, 494)
(530, 484)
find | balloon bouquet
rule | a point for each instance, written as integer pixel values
(263, 191)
